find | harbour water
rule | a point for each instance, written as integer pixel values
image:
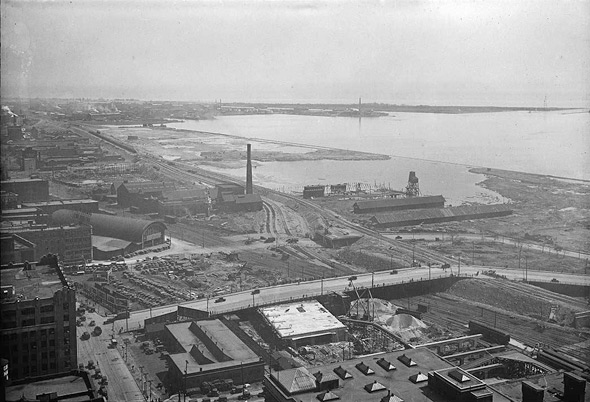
(439, 147)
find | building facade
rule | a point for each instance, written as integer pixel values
(38, 322)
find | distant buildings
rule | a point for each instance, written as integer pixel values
(38, 321)
(27, 190)
(398, 204)
(114, 235)
(73, 243)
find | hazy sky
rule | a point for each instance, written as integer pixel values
(415, 52)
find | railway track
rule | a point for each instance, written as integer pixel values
(456, 313)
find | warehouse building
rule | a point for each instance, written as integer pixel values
(38, 321)
(303, 323)
(240, 203)
(130, 194)
(184, 202)
(205, 351)
(133, 234)
(440, 215)
(316, 191)
(28, 190)
(49, 207)
(72, 243)
(381, 378)
(15, 249)
(398, 204)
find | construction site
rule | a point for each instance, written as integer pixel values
(483, 289)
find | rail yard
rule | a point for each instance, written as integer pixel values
(173, 241)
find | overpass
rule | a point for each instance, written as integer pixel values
(310, 289)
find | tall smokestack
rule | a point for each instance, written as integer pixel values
(249, 170)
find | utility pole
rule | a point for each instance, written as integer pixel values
(459, 269)
(203, 239)
(526, 268)
(473, 255)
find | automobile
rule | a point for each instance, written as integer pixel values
(90, 365)
(446, 265)
(81, 366)
(219, 300)
(245, 396)
(92, 323)
(353, 278)
(554, 280)
(85, 336)
(221, 399)
(398, 237)
(393, 272)
(213, 392)
(83, 318)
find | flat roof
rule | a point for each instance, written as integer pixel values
(299, 319)
(59, 202)
(42, 282)
(215, 330)
(353, 388)
(66, 385)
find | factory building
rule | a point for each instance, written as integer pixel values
(49, 207)
(15, 249)
(24, 216)
(398, 204)
(30, 159)
(314, 191)
(38, 321)
(304, 323)
(72, 243)
(205, 351)
(27, 190)
(229, 188)
(240, 203)
(115, 235)
(440, 215)
(184, 202)
(131, 194)
(408, 375)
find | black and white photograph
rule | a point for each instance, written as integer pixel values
(295, 201)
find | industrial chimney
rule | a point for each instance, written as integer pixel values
(249, 170)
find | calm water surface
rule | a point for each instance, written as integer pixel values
(555, 143)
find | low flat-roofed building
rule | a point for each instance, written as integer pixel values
(49, 207)
(440, 215)
(74, 386)
(303, 323)
(38, 335)
(27, 189)
(15, 249)
(551, 387)
(207, 350)
(398, 204)
(378, 377)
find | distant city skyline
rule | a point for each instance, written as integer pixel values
(407, 52)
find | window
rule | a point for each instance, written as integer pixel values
(47, 320)
(51, 331)
(44, 366)
(28, 311)
(28, 323)
(52, 365)
(52, 342)
(46, 309)
(52, 354)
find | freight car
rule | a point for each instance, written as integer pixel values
(560, 361)
(489, 333)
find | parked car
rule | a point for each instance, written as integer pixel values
(92, 323)
(219, 300)
(85, 336)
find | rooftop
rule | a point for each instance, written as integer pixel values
(41, 281)
(65, 385)
(58, 202)
(299, 319)
(399, 202)
(361, 387)
(186, 333)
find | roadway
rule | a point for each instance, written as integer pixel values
(295, 291)
(121, 385)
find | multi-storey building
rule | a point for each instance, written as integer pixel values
(38, 332)
(73, 243)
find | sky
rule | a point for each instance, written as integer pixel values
(459, 52)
